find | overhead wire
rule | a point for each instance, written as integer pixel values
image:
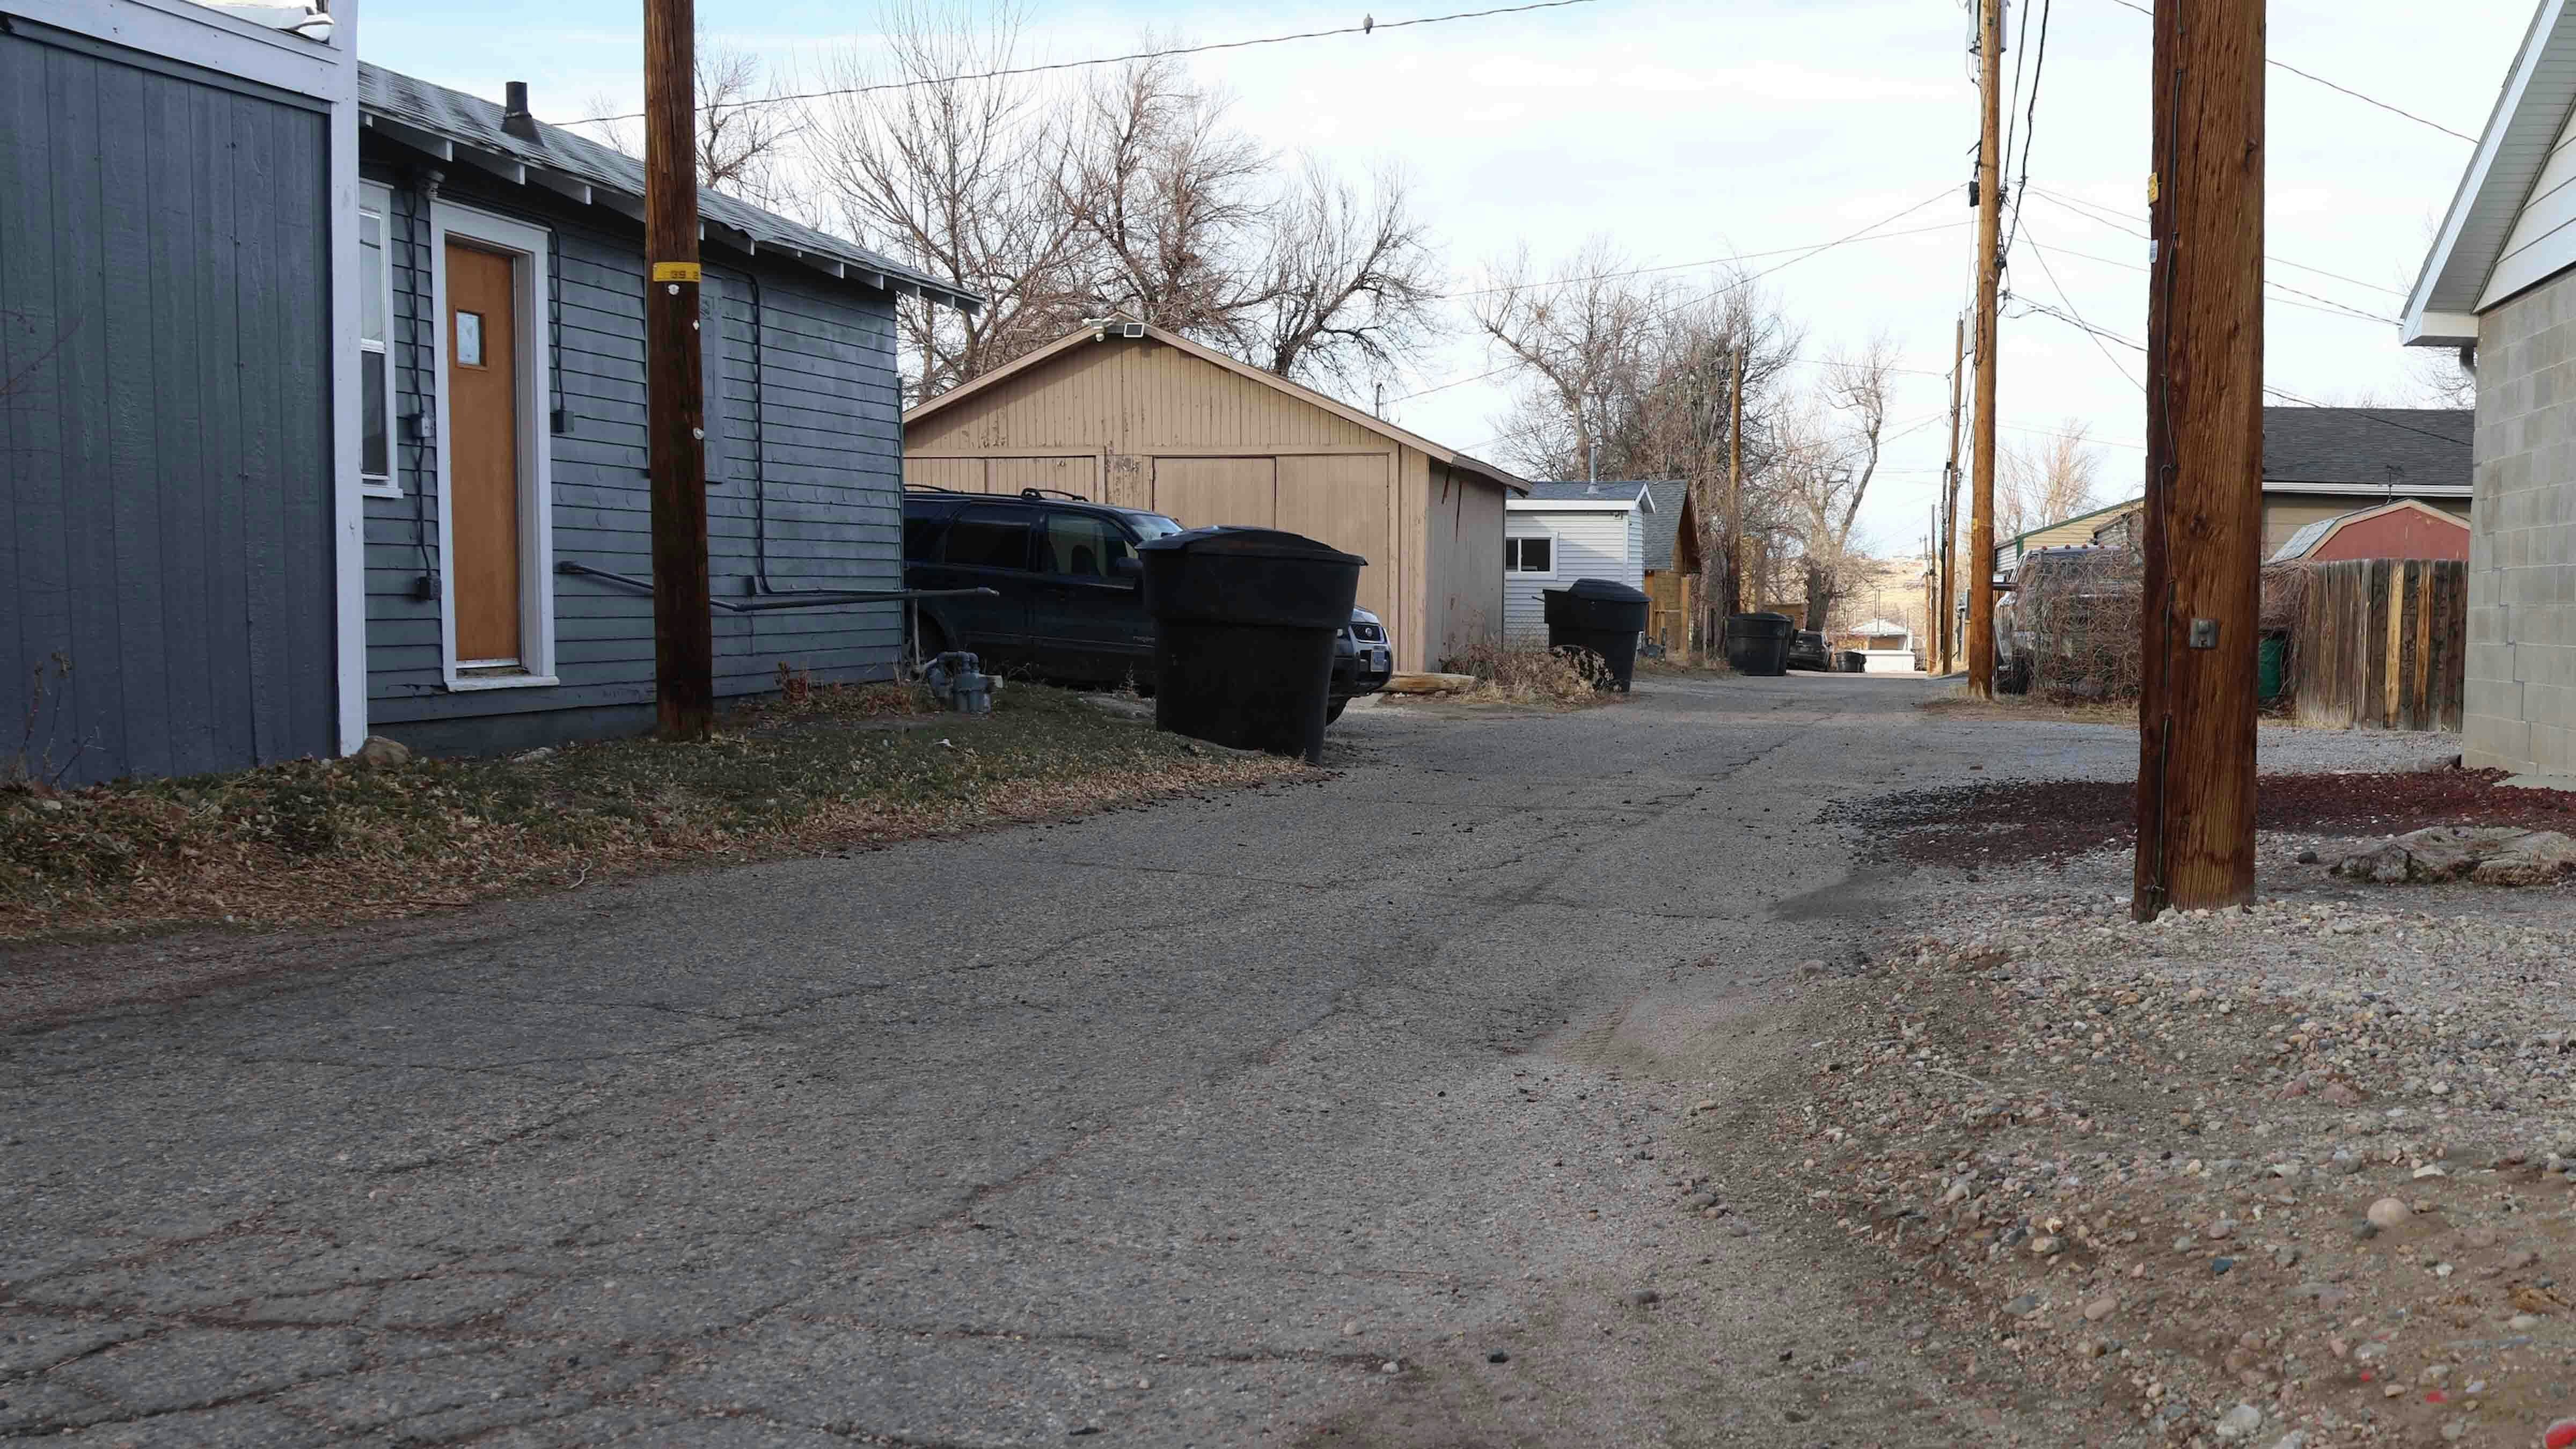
(2103, 215)
(1366, 27)
(2368, 100)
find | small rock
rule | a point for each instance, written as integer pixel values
(2388, 1213)
(1351, 1329)
(2433, 1375)
(2219, 1266)
(2044, 1245)
(2309, 856)
(2285, 1257)
(2523, 1322)
(1498, 1356)
(2238, 1424)
(2101, 1308)
(1644, 1298)
(2024, 1306)
(1388, 1367)
(2221, 1230)
(537, 756)
(378, 753)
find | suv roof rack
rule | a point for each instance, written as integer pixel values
(1053, 493)
(931, 488)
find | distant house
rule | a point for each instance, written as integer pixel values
(1885, 646)
(1567, 531)
(2318, 465)
(2498, 285)
(2404, 529)
(320, 375)
(1672, 564)
(1127, 413)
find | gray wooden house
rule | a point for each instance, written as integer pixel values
(504, 272)
(315, 379)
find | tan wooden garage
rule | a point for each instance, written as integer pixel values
(1136, 416)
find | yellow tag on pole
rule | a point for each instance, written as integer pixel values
(675, 271)
(2154, 189)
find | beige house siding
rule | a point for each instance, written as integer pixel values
(1141, 423)
(2521, 708)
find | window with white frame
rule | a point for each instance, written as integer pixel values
(1532, 555)
(375, 322)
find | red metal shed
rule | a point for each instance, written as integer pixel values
(2404, 529)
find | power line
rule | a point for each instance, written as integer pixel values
(1365, 27)
(1863, 234)
(2327, 305)
(2030, 129)
(1686, 266)
(2041, 253)
(2104, 216)
(2330, 85)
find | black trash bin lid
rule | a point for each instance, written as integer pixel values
(1605, 590)
(1237, 542)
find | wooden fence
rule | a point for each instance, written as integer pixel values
(2381, 643)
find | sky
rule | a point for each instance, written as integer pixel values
(1689, 133)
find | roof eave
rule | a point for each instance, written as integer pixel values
(2456, 269)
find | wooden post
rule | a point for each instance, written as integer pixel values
(2204, 509)
(1945, 626)
(683, 623)
(1731, 601)
(1990, 220)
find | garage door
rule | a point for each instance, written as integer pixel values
(1341, 499)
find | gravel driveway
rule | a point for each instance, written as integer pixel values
(1360, 1112)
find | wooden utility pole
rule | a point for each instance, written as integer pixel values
(684, 652)
(1945, 624)
(1732, 601)
(2204, 509)
(1990, 221)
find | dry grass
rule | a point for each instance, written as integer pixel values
(325, 842)
(1530, 675)
(1956, 703)
(1685, 666)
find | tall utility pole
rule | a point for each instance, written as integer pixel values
(1990, 222)
(1946, 626)
(684, 651)
(2204, 509)
(1732, 600)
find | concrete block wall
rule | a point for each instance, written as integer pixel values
(2521, 706)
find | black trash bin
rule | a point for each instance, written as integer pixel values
(1244, 625)
(1603, 617)
(1759, 643)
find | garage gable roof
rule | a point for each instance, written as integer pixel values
(1123, 330)
(2313, 537)
(2523, 134)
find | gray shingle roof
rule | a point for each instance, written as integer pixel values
(1664, 524)
(414, 111)
(2429, 447)
(1579, 491)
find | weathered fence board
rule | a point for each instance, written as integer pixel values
(2380, 643)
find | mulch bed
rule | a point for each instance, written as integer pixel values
(2007, 822)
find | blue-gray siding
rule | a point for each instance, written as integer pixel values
(165, 445)
(805, 415)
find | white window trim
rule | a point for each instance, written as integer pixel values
(536, 464)
(378, 201)
(1552, 552)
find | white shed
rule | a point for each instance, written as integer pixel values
(1567, 531)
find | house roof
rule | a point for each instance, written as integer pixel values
(1664, 523)
(2416, 450)
(2313, 537)
(2459, 278)
(1083, 336)
(1605, 494)
(464, 128)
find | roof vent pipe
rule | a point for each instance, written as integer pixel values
(515, 118)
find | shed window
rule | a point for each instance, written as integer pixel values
(1529, 555)
(375, 371)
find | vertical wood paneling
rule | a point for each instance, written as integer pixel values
(2379, 643)
(163, 244)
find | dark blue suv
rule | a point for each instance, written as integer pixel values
(1068, 599)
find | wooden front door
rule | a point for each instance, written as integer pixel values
(483, 453)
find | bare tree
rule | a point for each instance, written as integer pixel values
(958, 178)
(1172, 202)
(2052, 479)
(1353, 281)
(745, 128)
(1830, 454)
(1582, 340)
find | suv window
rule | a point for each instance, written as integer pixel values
(1082, 545)
(986, 537)
(921, 524)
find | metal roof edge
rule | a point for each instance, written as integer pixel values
(2550, 25)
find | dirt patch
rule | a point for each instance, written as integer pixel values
(2006, 822)
(1958, 704)
(2300, 1170)
(319, 842)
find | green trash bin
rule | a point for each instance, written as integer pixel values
(2272, 666)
